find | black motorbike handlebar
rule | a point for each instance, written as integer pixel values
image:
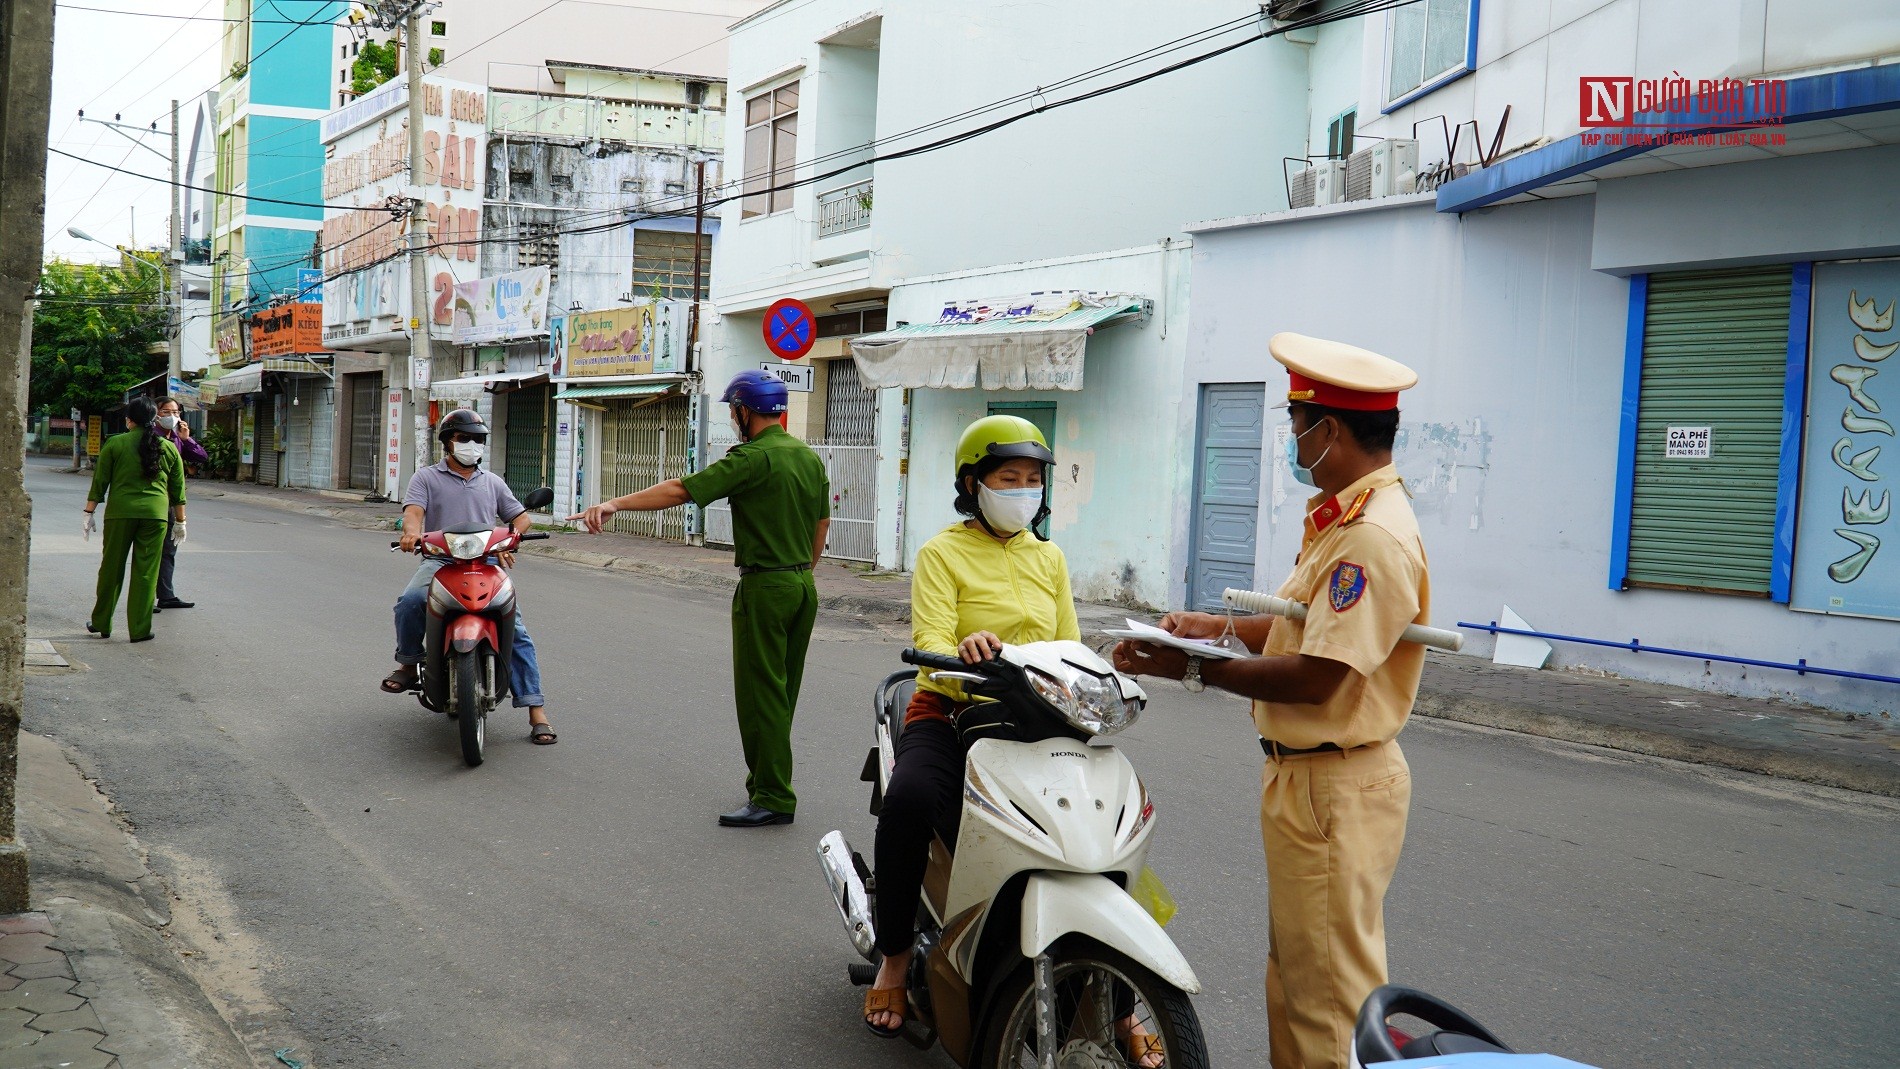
(935, 661)
(529, 536)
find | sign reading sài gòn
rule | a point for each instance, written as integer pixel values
(1689, 443)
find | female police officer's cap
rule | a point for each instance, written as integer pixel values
(1338, 375)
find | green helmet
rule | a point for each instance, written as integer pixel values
(1002, 438)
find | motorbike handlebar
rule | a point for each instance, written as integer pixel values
(529, 536)
(936, 661)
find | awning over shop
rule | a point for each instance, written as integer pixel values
(1013, 353)
(472, 387)
(622, 389)
(247, 379)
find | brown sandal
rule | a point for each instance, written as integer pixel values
(402, 680)
(885, 1000)
(1142, 1046)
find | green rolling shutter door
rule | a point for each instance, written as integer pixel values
(1715, 347)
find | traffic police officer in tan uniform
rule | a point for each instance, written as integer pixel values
(1329, 698)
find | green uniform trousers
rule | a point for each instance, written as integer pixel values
(772, 618)
(144, 542)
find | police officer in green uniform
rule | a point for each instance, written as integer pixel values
(781, 516)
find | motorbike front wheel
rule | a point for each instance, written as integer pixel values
(1095, 990)
(466, 705)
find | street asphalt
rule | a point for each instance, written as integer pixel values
(575, 905)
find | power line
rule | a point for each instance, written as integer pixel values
(200, 189)
(180, 18)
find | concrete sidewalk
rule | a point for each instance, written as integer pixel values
(1774, 738)
(90, 979)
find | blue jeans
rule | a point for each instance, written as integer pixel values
(412, 615)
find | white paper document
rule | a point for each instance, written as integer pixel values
(1199, 647)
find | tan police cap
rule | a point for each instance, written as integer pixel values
(1338, 375)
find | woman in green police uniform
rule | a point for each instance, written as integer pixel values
(141, 478)
(781, 515)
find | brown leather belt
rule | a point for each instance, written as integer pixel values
(785, 568)
(1275, 750)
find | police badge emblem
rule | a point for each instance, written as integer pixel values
(1348, 585)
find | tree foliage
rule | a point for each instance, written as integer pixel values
(92, 327)
(373, 66)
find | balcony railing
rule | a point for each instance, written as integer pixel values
(843, 210)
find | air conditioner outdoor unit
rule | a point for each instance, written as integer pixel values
(1382, 170)
(1329, 181)
(1299, 188)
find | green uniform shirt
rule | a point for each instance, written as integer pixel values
(119, 480)
(779, 492)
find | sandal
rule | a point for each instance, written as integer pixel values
(542, 734)
(885, 1000)
(401, 681)
(1142, 1046)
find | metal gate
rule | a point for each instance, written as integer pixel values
(1226, 491)
(528, 461)
(366, 430)
(852, 469)
(264, 445)
(850, 409)
(643, 444)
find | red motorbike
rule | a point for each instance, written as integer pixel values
(469, 637)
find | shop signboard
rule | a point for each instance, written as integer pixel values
(366, 292)
(1847, 547)
(502, 307)
(287, 330)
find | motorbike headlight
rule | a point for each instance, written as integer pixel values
(467, 546)
(1087, 701)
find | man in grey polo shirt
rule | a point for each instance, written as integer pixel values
(456, 492)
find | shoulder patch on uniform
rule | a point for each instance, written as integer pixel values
(1348, 585)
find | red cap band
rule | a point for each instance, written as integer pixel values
(1315, 392)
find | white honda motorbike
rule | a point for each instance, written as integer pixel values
(1031, 951)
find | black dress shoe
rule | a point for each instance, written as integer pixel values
(752, 816)
(176, 603)
(96, 631)
(145, 638)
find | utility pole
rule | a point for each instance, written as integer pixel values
(699, 242)
(176, 371)
(419, 318)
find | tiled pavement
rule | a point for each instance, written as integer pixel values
(46, 1016)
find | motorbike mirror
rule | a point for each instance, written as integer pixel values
(539, 498)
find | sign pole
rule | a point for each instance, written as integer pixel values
(177, 296)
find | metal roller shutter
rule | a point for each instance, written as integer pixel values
(264, 449)
(366, 430)
(526, 465)
(1715, 347)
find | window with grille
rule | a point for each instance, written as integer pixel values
(771, 150)
(539, 247)
(663, 264)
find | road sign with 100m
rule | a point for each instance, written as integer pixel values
(798, 378)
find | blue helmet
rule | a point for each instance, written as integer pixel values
(760, 391)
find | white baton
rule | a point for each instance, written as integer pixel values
(1437, 638)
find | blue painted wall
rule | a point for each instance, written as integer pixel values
(290, 65)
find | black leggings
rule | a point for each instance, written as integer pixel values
(925, 796)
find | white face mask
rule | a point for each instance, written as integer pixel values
(1009, 511)
(170, 423)
(470, 453)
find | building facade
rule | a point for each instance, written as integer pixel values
(1056, 240)
(1632, 262)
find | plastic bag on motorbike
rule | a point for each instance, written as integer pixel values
(1149, 893)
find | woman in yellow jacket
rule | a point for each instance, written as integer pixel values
(977, 585)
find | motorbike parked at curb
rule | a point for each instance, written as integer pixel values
(470, 633)
(1030, 947)
(1451, 1038)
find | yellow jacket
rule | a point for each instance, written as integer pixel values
(965, 582)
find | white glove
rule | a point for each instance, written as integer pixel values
(86, 528)
(178, 533)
